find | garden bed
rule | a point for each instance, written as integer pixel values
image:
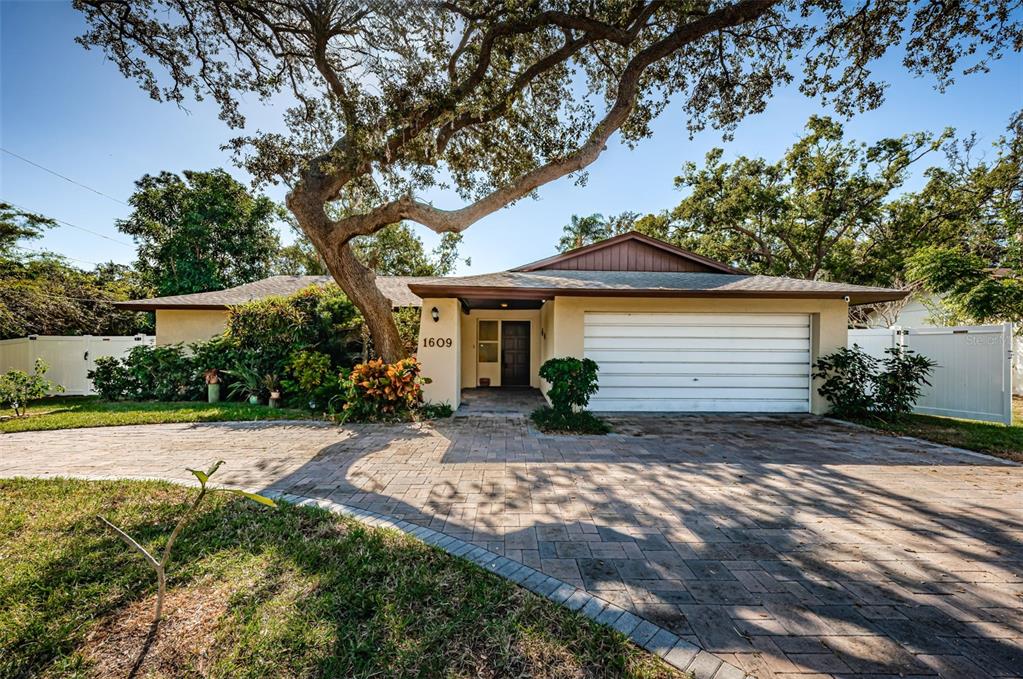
(293, 592)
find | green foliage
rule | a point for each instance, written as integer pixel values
(551, 421)
(396, 250)
(970, 286)
(44, 295)
(847, 375)
(200, 232)
(18, 389)
(435, 411)
(898, 385)
(17, 225)
(857, 386)
(375, 391)
(312, 380)
(316, 318)
(164, 373)
(572, 382)
(247, 382)
(111, 379)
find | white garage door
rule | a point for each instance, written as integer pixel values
(700, 362)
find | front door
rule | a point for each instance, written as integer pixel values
(515, 354)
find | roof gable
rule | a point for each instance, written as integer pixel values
(630, 251)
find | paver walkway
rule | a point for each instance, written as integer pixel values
(789, 546)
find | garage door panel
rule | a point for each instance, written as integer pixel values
(710, 343)
(761, 357)
(609, 379)
(699, 320)
(675, 393)
(755, 332)
(726, 367)
(702, 406)
(706, 362)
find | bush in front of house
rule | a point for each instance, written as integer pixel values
(18, 388)
(899, 384)
(164, 373)
(857, 386)
(376, 391)
(572, 381)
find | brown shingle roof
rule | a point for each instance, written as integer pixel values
(394, 287)
(547, 283)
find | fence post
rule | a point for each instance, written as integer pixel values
(1007, 344)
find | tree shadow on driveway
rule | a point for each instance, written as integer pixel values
(780, 544)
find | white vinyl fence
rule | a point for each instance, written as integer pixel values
(973, 378)
(69, 358)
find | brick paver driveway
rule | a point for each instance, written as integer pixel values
(785, 545)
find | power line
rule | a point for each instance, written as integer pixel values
(47, 252)
(67, 179)
(76, 226)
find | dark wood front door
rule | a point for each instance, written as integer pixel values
(515, 353)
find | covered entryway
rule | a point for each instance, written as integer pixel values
(700, 362)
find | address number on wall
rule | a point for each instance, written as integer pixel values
(436, 341)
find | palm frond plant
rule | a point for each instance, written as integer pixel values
(248, 384)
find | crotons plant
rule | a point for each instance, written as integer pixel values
(376, 390)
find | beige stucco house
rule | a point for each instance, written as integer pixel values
(670, 330)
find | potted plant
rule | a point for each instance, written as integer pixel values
(247, 384)
(212, 377)
(272, 385)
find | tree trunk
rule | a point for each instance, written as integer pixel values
(357, 281)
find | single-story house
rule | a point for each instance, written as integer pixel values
(672, 331)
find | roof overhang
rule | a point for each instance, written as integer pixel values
(502, 293)
(142, 306)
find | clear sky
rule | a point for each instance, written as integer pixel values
(71, 111)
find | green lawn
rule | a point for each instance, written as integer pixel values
(256, 592)
(985, 437)
(71, 412)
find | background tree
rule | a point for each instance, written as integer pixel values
(45, 295)
(582, 231)
(979, 205)
(200, 232)
(17, 225)
(396, 250)
(499, 98)
(803, 216)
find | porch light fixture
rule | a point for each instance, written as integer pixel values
(435, 314)
(504, 305)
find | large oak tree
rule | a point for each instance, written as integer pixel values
(496, 99)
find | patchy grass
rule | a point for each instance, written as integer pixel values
(549, 421)
(73, 412)
(255, 592)
(984, 437)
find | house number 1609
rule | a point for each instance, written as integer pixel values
(436, 341)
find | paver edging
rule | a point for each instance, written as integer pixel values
(675, 651)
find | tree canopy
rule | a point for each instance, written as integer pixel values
(203, 231)
(17, 225)
(496, 99)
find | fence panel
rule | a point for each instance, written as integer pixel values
(973, 378)
(69, 358)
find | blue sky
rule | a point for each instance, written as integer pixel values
(71, 111)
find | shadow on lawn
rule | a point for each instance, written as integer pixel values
(756, 538)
